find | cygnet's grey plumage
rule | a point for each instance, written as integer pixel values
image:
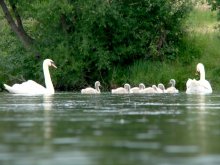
(122, 90)
(90, 90)
(152, 89)
(161, 88)
(172, 88)
(137, 89)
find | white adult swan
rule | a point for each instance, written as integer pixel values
(137, 89)
(201, 86)
(172, 88)
(122, 90)
(30, 87)
(90, 90)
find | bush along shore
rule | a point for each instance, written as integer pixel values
(114, 42)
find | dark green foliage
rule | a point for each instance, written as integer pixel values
(215, 5)
(88, 39)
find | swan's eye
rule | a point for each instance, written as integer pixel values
(52, 63)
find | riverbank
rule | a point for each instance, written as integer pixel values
(202, 45)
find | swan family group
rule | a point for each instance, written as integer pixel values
(127, 89)
(30, 87)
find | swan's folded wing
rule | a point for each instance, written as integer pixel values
(119, 90)
(32, 84)
(190, 82)
(192, 86)
(135, 90)
(148, 90)
(207, 86)
(172, 90)
(16, 89)
(199, 87)
(27, 87)
(89, 90)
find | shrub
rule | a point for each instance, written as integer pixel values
(88, 39)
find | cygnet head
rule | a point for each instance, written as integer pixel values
(141, 86)
(154, 87)
(172, 82)
(161, 86)
(127, 86)
(97, 84)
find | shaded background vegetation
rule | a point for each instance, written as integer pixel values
(114, 41)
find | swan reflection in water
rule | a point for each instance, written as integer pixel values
(196, 102)
(64, 156)
(198, 116)
(47, 125)
(201, 102)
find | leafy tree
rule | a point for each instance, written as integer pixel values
(90, 38)
(16, 24)
(215, 6)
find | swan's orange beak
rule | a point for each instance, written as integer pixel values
(53, 65)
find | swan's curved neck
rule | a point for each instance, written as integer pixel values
(97, 88)
(48, 82)
(127, 87)
(202, 74)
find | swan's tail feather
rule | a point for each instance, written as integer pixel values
(8, 88)
(13, 89)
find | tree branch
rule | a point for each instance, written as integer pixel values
(17, 29)
(19, 22)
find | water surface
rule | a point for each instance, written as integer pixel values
(106, 129)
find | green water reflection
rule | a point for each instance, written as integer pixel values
(70, 128)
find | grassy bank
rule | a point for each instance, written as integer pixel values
(202, 45)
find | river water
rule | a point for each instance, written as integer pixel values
(107, 129)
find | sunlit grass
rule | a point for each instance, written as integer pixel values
(202, 21)
(207, 37)
(202, 45)
(151, 73)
